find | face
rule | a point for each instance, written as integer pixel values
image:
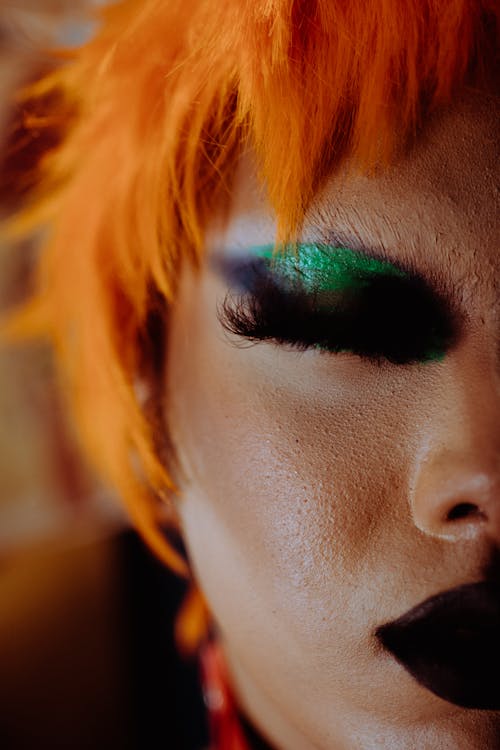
(343, 466)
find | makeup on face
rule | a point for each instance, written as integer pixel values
(450, 644)
(334, 299)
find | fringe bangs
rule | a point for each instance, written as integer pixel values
(154, 111)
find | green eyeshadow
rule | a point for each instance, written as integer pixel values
(321, 268)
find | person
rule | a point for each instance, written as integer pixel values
(270, 274)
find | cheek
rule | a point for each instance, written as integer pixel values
(286, 470)
(294, 473)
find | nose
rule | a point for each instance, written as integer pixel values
(457, 497)
(456, 493)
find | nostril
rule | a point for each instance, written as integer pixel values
(464, 510)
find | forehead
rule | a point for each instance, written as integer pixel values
(435, 209)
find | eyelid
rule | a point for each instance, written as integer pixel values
(323, 267)
(365, 260)
(342, 318)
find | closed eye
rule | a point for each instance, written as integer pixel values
(389, 316)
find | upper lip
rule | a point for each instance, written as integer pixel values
(450, 643)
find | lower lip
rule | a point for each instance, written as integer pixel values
(456, 658)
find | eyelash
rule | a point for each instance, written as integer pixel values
(373, 332)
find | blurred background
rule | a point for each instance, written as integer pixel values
(43, 487)
(85, 610)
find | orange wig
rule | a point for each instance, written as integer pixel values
(150, 116)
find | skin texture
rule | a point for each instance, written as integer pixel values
(316, 487)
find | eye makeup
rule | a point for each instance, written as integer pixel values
(334, 299)
(319, 268)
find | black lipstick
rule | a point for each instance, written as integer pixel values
(450, 644)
